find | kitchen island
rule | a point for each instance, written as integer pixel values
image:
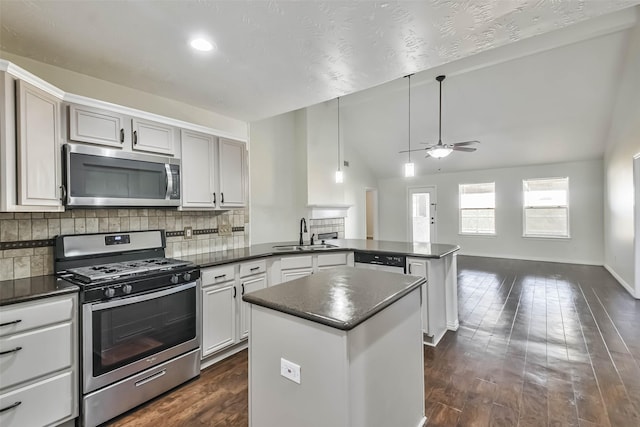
(339, 348)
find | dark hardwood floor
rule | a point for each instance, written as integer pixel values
(539, 344)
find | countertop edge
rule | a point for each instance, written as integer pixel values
(333, 323)
(70, 289)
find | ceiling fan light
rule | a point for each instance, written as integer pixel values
(439, 152)
(409, 170)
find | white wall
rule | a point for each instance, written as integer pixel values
(357, 178)
(80, 84)
(586, 217)
(623, 144)
(277, 164)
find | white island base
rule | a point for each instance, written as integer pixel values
(368, 376)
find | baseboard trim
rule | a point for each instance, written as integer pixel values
(620, 280)
(541, 259)
(422, 422)
(453, 326)
(223, 354)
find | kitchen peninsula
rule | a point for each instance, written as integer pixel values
(340, 348)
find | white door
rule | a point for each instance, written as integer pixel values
(422, 214)
(250, 284)
(38, 117)
(198, 151)
(232, 184)
(218, 317)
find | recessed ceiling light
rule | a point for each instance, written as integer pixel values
(202, 45)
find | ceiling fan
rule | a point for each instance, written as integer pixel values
(440, 150)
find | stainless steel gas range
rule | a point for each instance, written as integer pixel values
(140, 317)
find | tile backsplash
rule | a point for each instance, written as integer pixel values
(26, 248)
(329, 225)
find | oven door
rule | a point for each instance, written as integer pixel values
(125, 336)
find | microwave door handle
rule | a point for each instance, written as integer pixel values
(168, 181)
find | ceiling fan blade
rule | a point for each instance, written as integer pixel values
(411, 151)
(467, 149)
(462, 144)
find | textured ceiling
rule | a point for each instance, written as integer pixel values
(273, 56)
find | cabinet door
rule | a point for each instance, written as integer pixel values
(152, 136)
(38, 118)
(198, 182)
(232, 173)
(218, 317)
(288, 275)
(250, 284)
(87, 124)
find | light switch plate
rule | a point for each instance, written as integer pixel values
(290, 370)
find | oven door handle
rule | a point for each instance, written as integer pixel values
(145, 297)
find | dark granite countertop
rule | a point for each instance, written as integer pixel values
(31, 288)
(421, 250)
(341, 297)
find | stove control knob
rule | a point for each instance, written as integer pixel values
(109, 292)
(126, 289)
(175, 279)
(186, 276)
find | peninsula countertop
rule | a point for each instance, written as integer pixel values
(420, 250)
(340, 298)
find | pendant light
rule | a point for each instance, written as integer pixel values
(409, 169)
(339, 174)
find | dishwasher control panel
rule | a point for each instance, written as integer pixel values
(379, 259)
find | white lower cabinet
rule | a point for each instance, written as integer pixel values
(249, 284)
(39, 362)
(218, 316)
(225, 317)
(434, 315)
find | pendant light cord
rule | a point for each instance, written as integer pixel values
(440, 116)
(338, 133)
(409, 117)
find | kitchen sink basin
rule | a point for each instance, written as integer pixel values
(303, 247)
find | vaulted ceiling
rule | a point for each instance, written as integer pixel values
(534, 81)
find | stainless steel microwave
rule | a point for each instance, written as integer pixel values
(96, 176)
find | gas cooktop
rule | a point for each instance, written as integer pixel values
(119, 270)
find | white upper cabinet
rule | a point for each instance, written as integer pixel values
(232, 160)
(96, 126)
(198, 174)
(152, 136)
(38, 147)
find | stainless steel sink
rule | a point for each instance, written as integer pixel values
(303, 247)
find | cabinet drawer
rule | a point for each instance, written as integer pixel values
(296, 262)
(332, 259)
(21, 317)
(42, 351)
(255, 267)
(212, 276)
(41, 404)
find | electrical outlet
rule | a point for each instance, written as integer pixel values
(290, 370)
(188, 232)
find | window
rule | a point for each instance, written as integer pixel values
(546, 207)
(477, 208)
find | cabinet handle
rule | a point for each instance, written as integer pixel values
(11, 406)
(242, 289)
(251, 269)
(221, 197)
(220, 276)
(214, 198)
(13, 322)
(10, 351)
(63, 193)
(409, 268)
(135, 137)
(121, 135)
(234, 292)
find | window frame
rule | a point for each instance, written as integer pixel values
(566, 207)
(460, 209)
